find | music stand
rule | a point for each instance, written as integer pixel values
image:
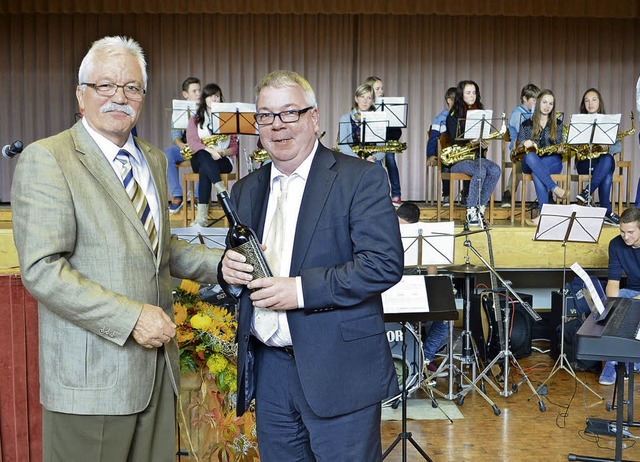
(396, 109)
(182, 110)
(372, 130)
(439, 305)
(568, 223)
(593, 129)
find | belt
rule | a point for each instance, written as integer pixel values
(285, 349)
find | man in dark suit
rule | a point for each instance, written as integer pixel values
(101, 271)
(320, 377)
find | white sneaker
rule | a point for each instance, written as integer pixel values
(472, 217)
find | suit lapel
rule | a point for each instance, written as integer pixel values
(314, 199)
(98, 166)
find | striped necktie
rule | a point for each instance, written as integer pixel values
(139, 200)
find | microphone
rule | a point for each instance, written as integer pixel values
(12, 150)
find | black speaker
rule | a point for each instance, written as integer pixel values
(556, 317)
(521, 324)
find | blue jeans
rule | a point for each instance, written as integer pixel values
(174, 157)
(628, 293)
(394, 175)
(434, 335)
(601, 179)
(488, 174)
(541, 169)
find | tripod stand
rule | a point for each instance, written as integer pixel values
(506, 354)
(441, 307)
(553, 220)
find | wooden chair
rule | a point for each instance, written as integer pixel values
(454, 179)
(189, 181)
(562, 179)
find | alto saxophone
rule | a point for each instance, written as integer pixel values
(458, 152)
(518, 153)
(210, 141)
(582, 151)
(390, 146)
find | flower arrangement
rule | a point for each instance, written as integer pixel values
(205, 334)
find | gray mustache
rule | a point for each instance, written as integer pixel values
(109, 107)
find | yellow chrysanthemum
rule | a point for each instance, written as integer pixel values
(200, 321)
(183, 336)
(217, 363)
(189, 286)
(179, 313)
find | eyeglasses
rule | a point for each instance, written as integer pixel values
(287, 117)
(109, 89)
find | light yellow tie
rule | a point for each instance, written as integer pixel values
(265, 320)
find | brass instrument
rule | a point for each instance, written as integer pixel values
(582, 151)
(518, 153)
(210, 141)
(259, 155)
(458, 152)
(390, 146)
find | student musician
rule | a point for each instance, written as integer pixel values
(602, 167)
(485, 171)
(541, 131)
(439, 126)
(393, 134)
(523, 112)
(350, 125)
(211, 159)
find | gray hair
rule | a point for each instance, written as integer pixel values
(283, 79)
(112, 46)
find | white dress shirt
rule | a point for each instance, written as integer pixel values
(295, 191)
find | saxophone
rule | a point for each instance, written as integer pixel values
(518, 153)
(457, 152)
(390, 146)
(210, 141)
(259, 155)
(582, 151)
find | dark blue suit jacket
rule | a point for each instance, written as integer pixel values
(347, 251)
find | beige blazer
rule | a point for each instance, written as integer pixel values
(86, 258)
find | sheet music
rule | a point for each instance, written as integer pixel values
(437, 246)
(182, 112)
(375, 129)
(593, 293)
(473, 123)
(606, 128)
(407, 296)
(555, 218)
(396, 107)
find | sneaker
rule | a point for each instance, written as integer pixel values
(584, 197)
(608, 375)
(445, 201)
(397, 201)
(612, 219)
(175, 207)
(636, 367)
(472, 217)
(506, 200)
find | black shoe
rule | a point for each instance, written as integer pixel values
(612, 219)
(506, 199)
(584, 196)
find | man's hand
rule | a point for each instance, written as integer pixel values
(276, 293)
(154, 328)
(234, 269)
